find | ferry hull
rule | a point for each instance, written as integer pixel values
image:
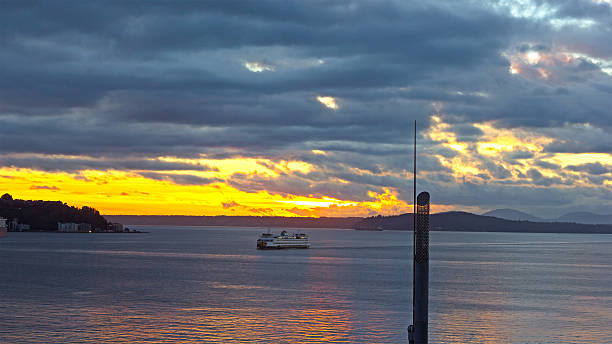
(279, 247)
(275, 246)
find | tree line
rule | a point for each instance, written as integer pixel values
(44, 215)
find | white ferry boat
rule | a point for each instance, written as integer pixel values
(284, 240)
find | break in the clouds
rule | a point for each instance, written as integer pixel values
(258, 67)
(329, 102)
(512, 98)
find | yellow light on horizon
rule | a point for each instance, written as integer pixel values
(566, 159)
(460, 147)
(490, 148)
(223, 168)
(320, 203)
(120, 192)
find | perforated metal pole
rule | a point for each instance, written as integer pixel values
(418, 332)
(421, 271)
(414, 173)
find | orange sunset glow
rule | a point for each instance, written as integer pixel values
(119, 192)
(253, 186)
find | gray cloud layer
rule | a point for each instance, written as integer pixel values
(127, 81)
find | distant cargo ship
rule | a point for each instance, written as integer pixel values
(284, 240)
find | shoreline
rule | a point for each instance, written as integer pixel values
(130, 232)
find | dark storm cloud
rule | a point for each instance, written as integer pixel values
(66, 164)
(593, 168)
(467, 132)
(124, 82)
(580, 138)
(181, 179)
(133, 55)
(547, 165)
(43, 187)
(518, 154)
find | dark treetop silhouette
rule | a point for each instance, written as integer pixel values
(44, 215)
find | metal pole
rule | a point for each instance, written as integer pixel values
(421, 271)
(418, 331)
(414, 209)
(414, 172)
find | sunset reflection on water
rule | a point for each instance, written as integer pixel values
(197, 286)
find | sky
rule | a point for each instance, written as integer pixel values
(306, 108)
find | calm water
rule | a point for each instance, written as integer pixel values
(210, 285)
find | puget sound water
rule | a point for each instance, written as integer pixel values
(211, 285)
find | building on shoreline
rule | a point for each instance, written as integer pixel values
(84, 227)
(115, 227)
(12, 225)
(67, 227)
(71, 227)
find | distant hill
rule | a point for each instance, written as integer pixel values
(586, 217)
(462, 221)
(575, 217)
(450, 221)
(238, 221)
(511, 214)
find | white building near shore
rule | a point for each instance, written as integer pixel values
(67, 227)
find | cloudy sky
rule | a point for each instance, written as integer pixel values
(307, 107)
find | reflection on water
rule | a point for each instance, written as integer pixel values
(212, 286)
(476, 314)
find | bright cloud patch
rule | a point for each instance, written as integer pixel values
(385, 203)
(325, 202)
(525, 8)
(517, 157)
(604, 64)
(329, 102)
(556, 66)
(258, 67)
(560, 23)
(545, 12)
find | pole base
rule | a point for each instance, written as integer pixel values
(411, 334)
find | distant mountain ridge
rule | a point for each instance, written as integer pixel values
(575, 217)
(586, 217)
(512, 214)
(239, 221)
(449, 221)
(468, 222)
